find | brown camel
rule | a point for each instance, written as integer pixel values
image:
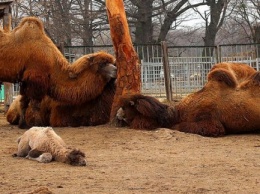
(50, 112)
(229, 103)
(57, 114)
(28, 56)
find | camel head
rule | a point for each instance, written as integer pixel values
(85, 80)
(144, 112)
(99, 63)
(76, 158)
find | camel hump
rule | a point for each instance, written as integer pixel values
(224, 76)
(253, 81)
(256, 78)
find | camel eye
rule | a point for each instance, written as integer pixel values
(131, 103)
(102, 65)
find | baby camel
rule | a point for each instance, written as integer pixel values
(44, 145)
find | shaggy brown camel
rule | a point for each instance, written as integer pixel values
(57, 114)
(50, 112)
(28, 56)
(229, 103)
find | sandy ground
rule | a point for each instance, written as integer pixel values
(122, 160)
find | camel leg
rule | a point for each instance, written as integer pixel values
(39, 156)
(23, 147)
(33, 116)
(210, 128)
(34, 153)
(24, 105)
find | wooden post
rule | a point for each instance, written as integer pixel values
(167, 73)
(128, 66)
(61, 47)
(7, 19)
(8, 87)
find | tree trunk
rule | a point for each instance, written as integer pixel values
(144, 25)
(8, 87)
(216, 21)
(256, 38)
(128, 67)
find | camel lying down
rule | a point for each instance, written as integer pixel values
(229, 103)
(44, 145)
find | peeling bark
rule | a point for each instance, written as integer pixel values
(128, 72)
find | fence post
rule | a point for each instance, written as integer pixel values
(218, 54)
(8, 87)
(61, 47)
(166, 69)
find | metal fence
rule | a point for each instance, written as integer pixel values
(188, 64)
(188, 70)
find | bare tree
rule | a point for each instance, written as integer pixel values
(145, 14)
(68, 21)
(142, 16)
(173, 12)
(246, 15)
(84, 22)
(214, 20)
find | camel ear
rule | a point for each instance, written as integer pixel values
(222, 75)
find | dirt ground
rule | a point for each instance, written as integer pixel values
(122, 160)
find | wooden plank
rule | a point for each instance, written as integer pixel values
(7, 19)
(8, 87)
(167, 73)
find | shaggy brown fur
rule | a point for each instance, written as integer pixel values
(94, 112)
(225, 105)
(38, 142)
(27, 55)
(144, 112)
(233, 74)
(58, 114)
(14, 111)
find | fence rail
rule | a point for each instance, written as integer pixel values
(188, 64)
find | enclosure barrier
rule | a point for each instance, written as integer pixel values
(188, 65)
